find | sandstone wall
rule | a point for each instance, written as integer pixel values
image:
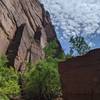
(20, 21)
(80, 77)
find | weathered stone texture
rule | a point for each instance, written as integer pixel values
(19, 21)
(81, 77)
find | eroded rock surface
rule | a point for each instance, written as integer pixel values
(20, 21)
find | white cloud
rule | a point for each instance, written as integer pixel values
(75, 16)
(72, 12)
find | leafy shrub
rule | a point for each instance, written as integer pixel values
(8, 80)
(43, 81)
(53, 49)
(3, 97)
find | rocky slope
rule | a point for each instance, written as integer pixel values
(25, 29)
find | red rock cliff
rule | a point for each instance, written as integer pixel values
(25, 28)
(80, 77)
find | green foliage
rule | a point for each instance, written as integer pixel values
(54, 50)
(8, 80)
(78, 44)
(3, 97)
(51, 48)
(3, 61)
(43, 80)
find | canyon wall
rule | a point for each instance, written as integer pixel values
(25, 29)
(80, 77)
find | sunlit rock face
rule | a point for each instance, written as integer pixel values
(71, 17)
(25, 28)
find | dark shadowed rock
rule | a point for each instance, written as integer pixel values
(80, 77)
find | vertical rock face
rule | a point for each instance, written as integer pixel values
(81, 77)
(25, 28)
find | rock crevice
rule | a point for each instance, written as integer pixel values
(13, 47)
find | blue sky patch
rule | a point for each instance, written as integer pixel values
(75, 17)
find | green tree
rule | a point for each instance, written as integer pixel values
(8, 80)
(78, 44)
(54, 50)
(43, 81)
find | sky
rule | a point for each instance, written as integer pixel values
(75, 17)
